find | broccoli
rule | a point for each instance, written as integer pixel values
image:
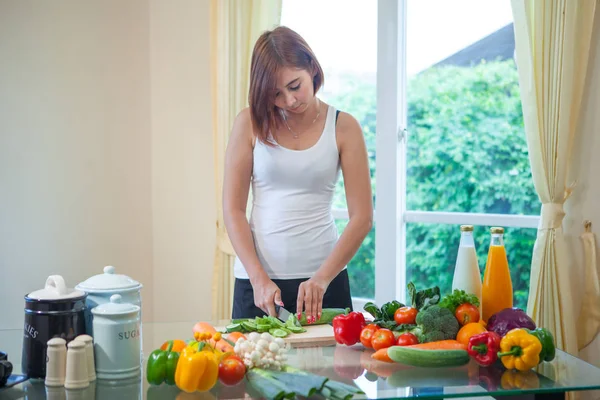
(435, 323)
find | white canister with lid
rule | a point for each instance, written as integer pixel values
(117, 339)
(101, 287)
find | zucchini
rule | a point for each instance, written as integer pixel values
(428, 358)
(327, 316)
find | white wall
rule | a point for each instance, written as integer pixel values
(183, 194)
(106, 150)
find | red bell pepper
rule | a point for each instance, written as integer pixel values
(347, 327)
(484, 348)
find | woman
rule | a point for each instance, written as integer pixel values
(291, 146)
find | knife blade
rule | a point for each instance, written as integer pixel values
(282, 313)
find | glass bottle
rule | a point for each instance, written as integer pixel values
(497, 284)
(467, 276)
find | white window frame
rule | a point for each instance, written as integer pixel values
(392, 216)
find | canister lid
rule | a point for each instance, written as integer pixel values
(115, 307)
(55, 289)
(108, 281)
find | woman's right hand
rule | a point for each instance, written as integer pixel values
(266, 295)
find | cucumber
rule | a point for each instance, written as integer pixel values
(234, 328)
(278, 332)
(327, 316)
(428, 358)
(249, 326)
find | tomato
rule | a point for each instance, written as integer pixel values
(367, 334)
(231, 370)
(407, 339)
(383, 338)
(405, 315)
(466, 313)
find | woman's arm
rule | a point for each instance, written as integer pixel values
(236, 186)
(357, 180)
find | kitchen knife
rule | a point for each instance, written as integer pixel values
(282, 313)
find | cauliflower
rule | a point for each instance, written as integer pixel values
(262, 351)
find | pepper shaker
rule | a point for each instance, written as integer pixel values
(77, 375)
(89, 352)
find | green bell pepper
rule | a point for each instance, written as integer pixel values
(162, 365)
(547, 340)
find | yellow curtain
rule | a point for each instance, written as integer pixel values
(588, 324)
(235, 26)
(552, 46)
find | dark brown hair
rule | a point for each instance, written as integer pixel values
(281, 47)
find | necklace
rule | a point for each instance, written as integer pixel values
(294, 134)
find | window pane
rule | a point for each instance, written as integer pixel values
(467, 150)
(431, 251)
(361, 268)
(350, 78)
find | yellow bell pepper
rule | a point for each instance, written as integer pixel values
(197, 370)
(520, 350)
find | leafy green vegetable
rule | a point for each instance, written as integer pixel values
(458, 297)
(384, 316)
(404, 327)
(422, 299)
(293, 382)
(388, 309)
(372, 309)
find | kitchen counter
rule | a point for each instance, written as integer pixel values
(351, 365)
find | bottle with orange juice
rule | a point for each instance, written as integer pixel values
(497, 290)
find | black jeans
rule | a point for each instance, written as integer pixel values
(336, 296)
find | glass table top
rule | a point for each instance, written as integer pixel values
(352, 365)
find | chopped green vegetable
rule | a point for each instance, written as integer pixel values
(278, 332)
(266, 324)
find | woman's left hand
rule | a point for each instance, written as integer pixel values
(310, 298)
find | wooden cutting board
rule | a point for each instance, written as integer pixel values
(316, 335)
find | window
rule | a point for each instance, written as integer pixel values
(435, 87)
(453, 140)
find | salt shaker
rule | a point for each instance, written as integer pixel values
(89, 352)
(117, 344)
(56, 362)
(77, 375)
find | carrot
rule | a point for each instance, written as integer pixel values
(204, 327)
(234, 336)
(440, 345)
(382, 355)
(223, 346)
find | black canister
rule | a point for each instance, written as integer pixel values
(55, 311)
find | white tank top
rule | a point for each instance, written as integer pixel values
(291, 220)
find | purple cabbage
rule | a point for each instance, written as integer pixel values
(509, 318)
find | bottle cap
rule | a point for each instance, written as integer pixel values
(496, 229)
(466, 228)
